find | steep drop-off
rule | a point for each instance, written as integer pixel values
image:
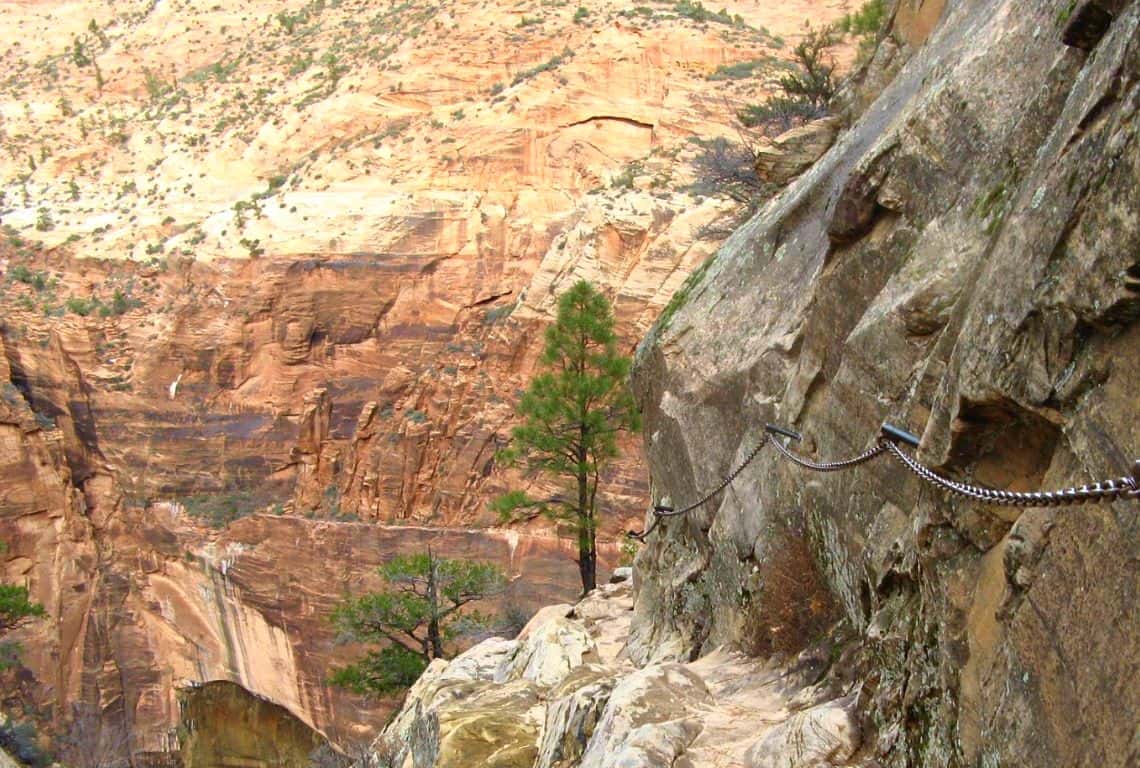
(297, 261)
(962, 263)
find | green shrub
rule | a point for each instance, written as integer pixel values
(21, 273)
(220, 509)
(580, 14)
(20, 740)
(868, 20)
(546, 66)
(44, 221)
(866, 24)
(740, 70)
(80, 306)
(492, 316)
(693, 9)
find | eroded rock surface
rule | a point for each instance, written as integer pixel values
(961, 263)
(722, 710)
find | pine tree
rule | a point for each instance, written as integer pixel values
(572, 412)
(415, 618)
(15, 608)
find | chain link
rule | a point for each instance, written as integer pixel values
(830, 466)
(1108, 490)
(1127, 487)
(661, 511)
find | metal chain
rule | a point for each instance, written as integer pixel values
(830, 466)
(1127, 487)
(660, 511)
(1109, 490)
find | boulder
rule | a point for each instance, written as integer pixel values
(820, 737)
(793, 152)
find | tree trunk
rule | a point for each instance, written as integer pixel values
(435, 637)
(587, 555)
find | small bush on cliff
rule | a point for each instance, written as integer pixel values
(572, 413)
(15, 609)
(220, 509)
(726, 168)
(867, 25)
(416, 618)
(20, 741)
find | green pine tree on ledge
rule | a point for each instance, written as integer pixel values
(415, 618)
(572, 412)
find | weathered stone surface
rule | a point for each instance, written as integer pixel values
(704, 713)
(958, 263)
(646, 719)
(455, 714)
(549, 650)
(223, 724)
(820, 737)
(793, 152)
(572, 715)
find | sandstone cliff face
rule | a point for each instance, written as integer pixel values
(345, 198)
(962, 262)
(298, 260)
(144, 601)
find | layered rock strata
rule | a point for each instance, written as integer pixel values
(298, 260)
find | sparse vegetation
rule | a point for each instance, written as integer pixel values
(416, 618)
(220, 509)
(551, 63)
(741, 69)
(44, 220)
(253, 247)
(727, 168)
(866, 24)
(20, 741)
(15, 609)
(678, 299)
(693, 9)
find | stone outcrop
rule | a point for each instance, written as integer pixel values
(962, 262)
(223, 724)
(724, 709)
(793, 152)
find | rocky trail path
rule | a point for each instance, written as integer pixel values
(565, 693)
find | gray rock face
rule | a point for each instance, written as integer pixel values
(963, 262)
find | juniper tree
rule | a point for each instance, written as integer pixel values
(572, 413)
(414, 618)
